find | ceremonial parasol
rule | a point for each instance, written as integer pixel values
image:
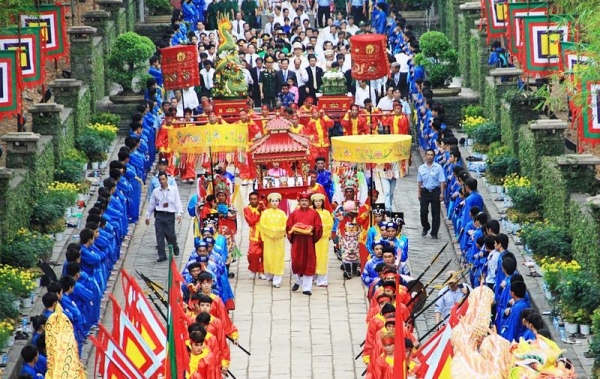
(368, 148)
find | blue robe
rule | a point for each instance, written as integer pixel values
(373, 234)
(324, 179)
(512, 328)
(473, 200)
(133, 207)
(156, 73)
(84, 299)
(94, 287)
(28, 370)
(91, 263)
(41, 366)
(369, 275)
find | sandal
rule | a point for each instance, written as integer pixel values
(570, 341)
(578, 336)
(589, 354)
(534, 274)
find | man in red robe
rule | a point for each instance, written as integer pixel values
(255, 246)
(204, 363)
(353, 124)
(304, 228)
(187, 162)
(318, 131)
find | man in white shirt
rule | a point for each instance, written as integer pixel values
(387, 102)
(347, 58)
(301, 14)
(278, 16)
(351, 28)
(251, 56)
(298, 68)
(363, 91)
(238, 26)
(207, 74)
(165, 204)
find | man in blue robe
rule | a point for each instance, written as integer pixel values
(513, 328)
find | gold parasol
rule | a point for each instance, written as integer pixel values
(384, 148)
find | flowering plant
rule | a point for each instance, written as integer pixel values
(76, 156)
(553, 269)
(25, 248)
(578, 296)
(21, 283)
(516, 181)
(7, 327)
(70, 167)
(105, 131)
(470, 123)
(64, 193)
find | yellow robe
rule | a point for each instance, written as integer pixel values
(322, 246)
(62, 349)
(272, 230)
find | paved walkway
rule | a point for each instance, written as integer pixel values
(291, 335)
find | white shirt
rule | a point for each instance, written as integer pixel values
(278, 19)
(251, 59)
(303, 17)
(299, 75)
(165, 200)
(208, 77)
(362, 94)
(234, 28)
(248, 76)
(492, 264)
(268, 28)
(386, 104)
(403, 59)
(190, 98)
(347, 62)
(352, 29)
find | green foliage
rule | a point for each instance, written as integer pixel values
(91, 145)
(554, 191)
(525, 199)
(129, 59)
(158, 7)
(528, 153)
(48, 211)
(503, 164)
(581, 179)
(475, 62)
(472, 111)
(585, 231)
(578, 296)
(7, 311)
(546, 240)
(487, 133)
(106, 118)
(11, 9)
(438, 58)
(70, 168)
(26, 249)
(595, 341)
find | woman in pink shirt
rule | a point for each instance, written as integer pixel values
(294, 90)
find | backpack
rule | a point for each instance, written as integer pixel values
(502, 58)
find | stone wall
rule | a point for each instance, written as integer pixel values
(74, 94)
(55, 120)
(29, 170)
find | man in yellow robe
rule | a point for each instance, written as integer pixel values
(322, 246)
(272, 226)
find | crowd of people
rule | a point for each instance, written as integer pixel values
(284, 60)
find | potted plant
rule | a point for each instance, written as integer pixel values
(499, 165)
(93, 147)
(106, 118)
(554, 269)
(7, 327)
(577, 293)
(468, 125)
(128, 60)
(547, 240)
(63, 193)
(487, 133)
(26, 248)
(438, 58)
(106, 132)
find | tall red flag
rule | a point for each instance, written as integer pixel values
(178, 358)
(399, 348)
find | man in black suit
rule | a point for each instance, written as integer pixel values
(255, 88)
(313, 77)
(394, 79)
(284, 74)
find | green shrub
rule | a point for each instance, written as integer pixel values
(472, 111)
(525, 199)
(438, 58)
(578, 297)
(502, 165)
(105, 118)
(26, 249)
(546, 240)
(128, 59)
(487, 133)
(92, 145)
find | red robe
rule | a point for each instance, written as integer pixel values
(354, 126)
(371, 118)
(255, 245)
(318, 130)
(208, 366)
(219, 311)
(248, 169)
(376, 323)
(363, 219)
(304, 258)
(215, 327)
(398, 124)
(380, 369)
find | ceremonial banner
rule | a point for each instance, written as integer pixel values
(10, 97)
(143, 317)
(31, 47)
(178, 359)
(590, 129)
(180, 66)
(201, 139)
(51, 19)
(513, 30)
(371, 148)
(132, 343)
(542, 49)
(572, 57)
(496, 13)
(369, 56)
(113, 361)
